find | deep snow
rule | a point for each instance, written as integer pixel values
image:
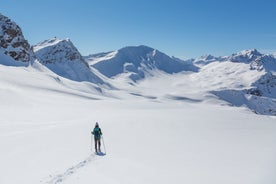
(46, 122)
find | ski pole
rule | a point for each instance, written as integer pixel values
(91, 142)
(103, 144)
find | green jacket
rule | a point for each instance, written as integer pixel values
(97, 132)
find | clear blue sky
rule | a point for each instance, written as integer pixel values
(182, 28)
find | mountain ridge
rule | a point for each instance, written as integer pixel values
(247, 75)
(137, 61)
(64, 59)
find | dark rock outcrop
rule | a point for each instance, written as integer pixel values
(12, 41)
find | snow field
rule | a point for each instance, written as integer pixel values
(146, 142)
(46, 121)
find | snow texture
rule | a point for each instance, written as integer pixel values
(46, 122)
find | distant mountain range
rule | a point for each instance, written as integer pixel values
(247, 78)
(260, 94)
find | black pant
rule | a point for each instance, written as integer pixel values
(97, 144)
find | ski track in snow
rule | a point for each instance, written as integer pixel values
(61, 177)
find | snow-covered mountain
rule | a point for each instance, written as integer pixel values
(247, 78)
(60, 56)
(63, 58)
(245, 56)
(206, 59)
(136, 62)
(12, 41)
(259, 92)
(256, 60)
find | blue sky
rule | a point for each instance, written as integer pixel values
(181, 28)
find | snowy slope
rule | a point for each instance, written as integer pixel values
(243, 79)
(63, 58)
(136, 62)
(17, 78)
(260, 95)
(45, 136)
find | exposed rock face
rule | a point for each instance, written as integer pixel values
(64, 59)
(12, 40)
(56, 51)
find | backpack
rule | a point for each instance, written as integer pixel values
(97, 132)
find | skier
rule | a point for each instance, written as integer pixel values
(97, 132)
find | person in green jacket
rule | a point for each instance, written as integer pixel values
(97, 132)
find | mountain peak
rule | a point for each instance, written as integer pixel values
(207, 57)
(63, 58)
(135, 50)
(250, 52)
(142, 47)
(51, 42)
(57, 50)
(136, 61)
(12, 41)
(245, 56)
